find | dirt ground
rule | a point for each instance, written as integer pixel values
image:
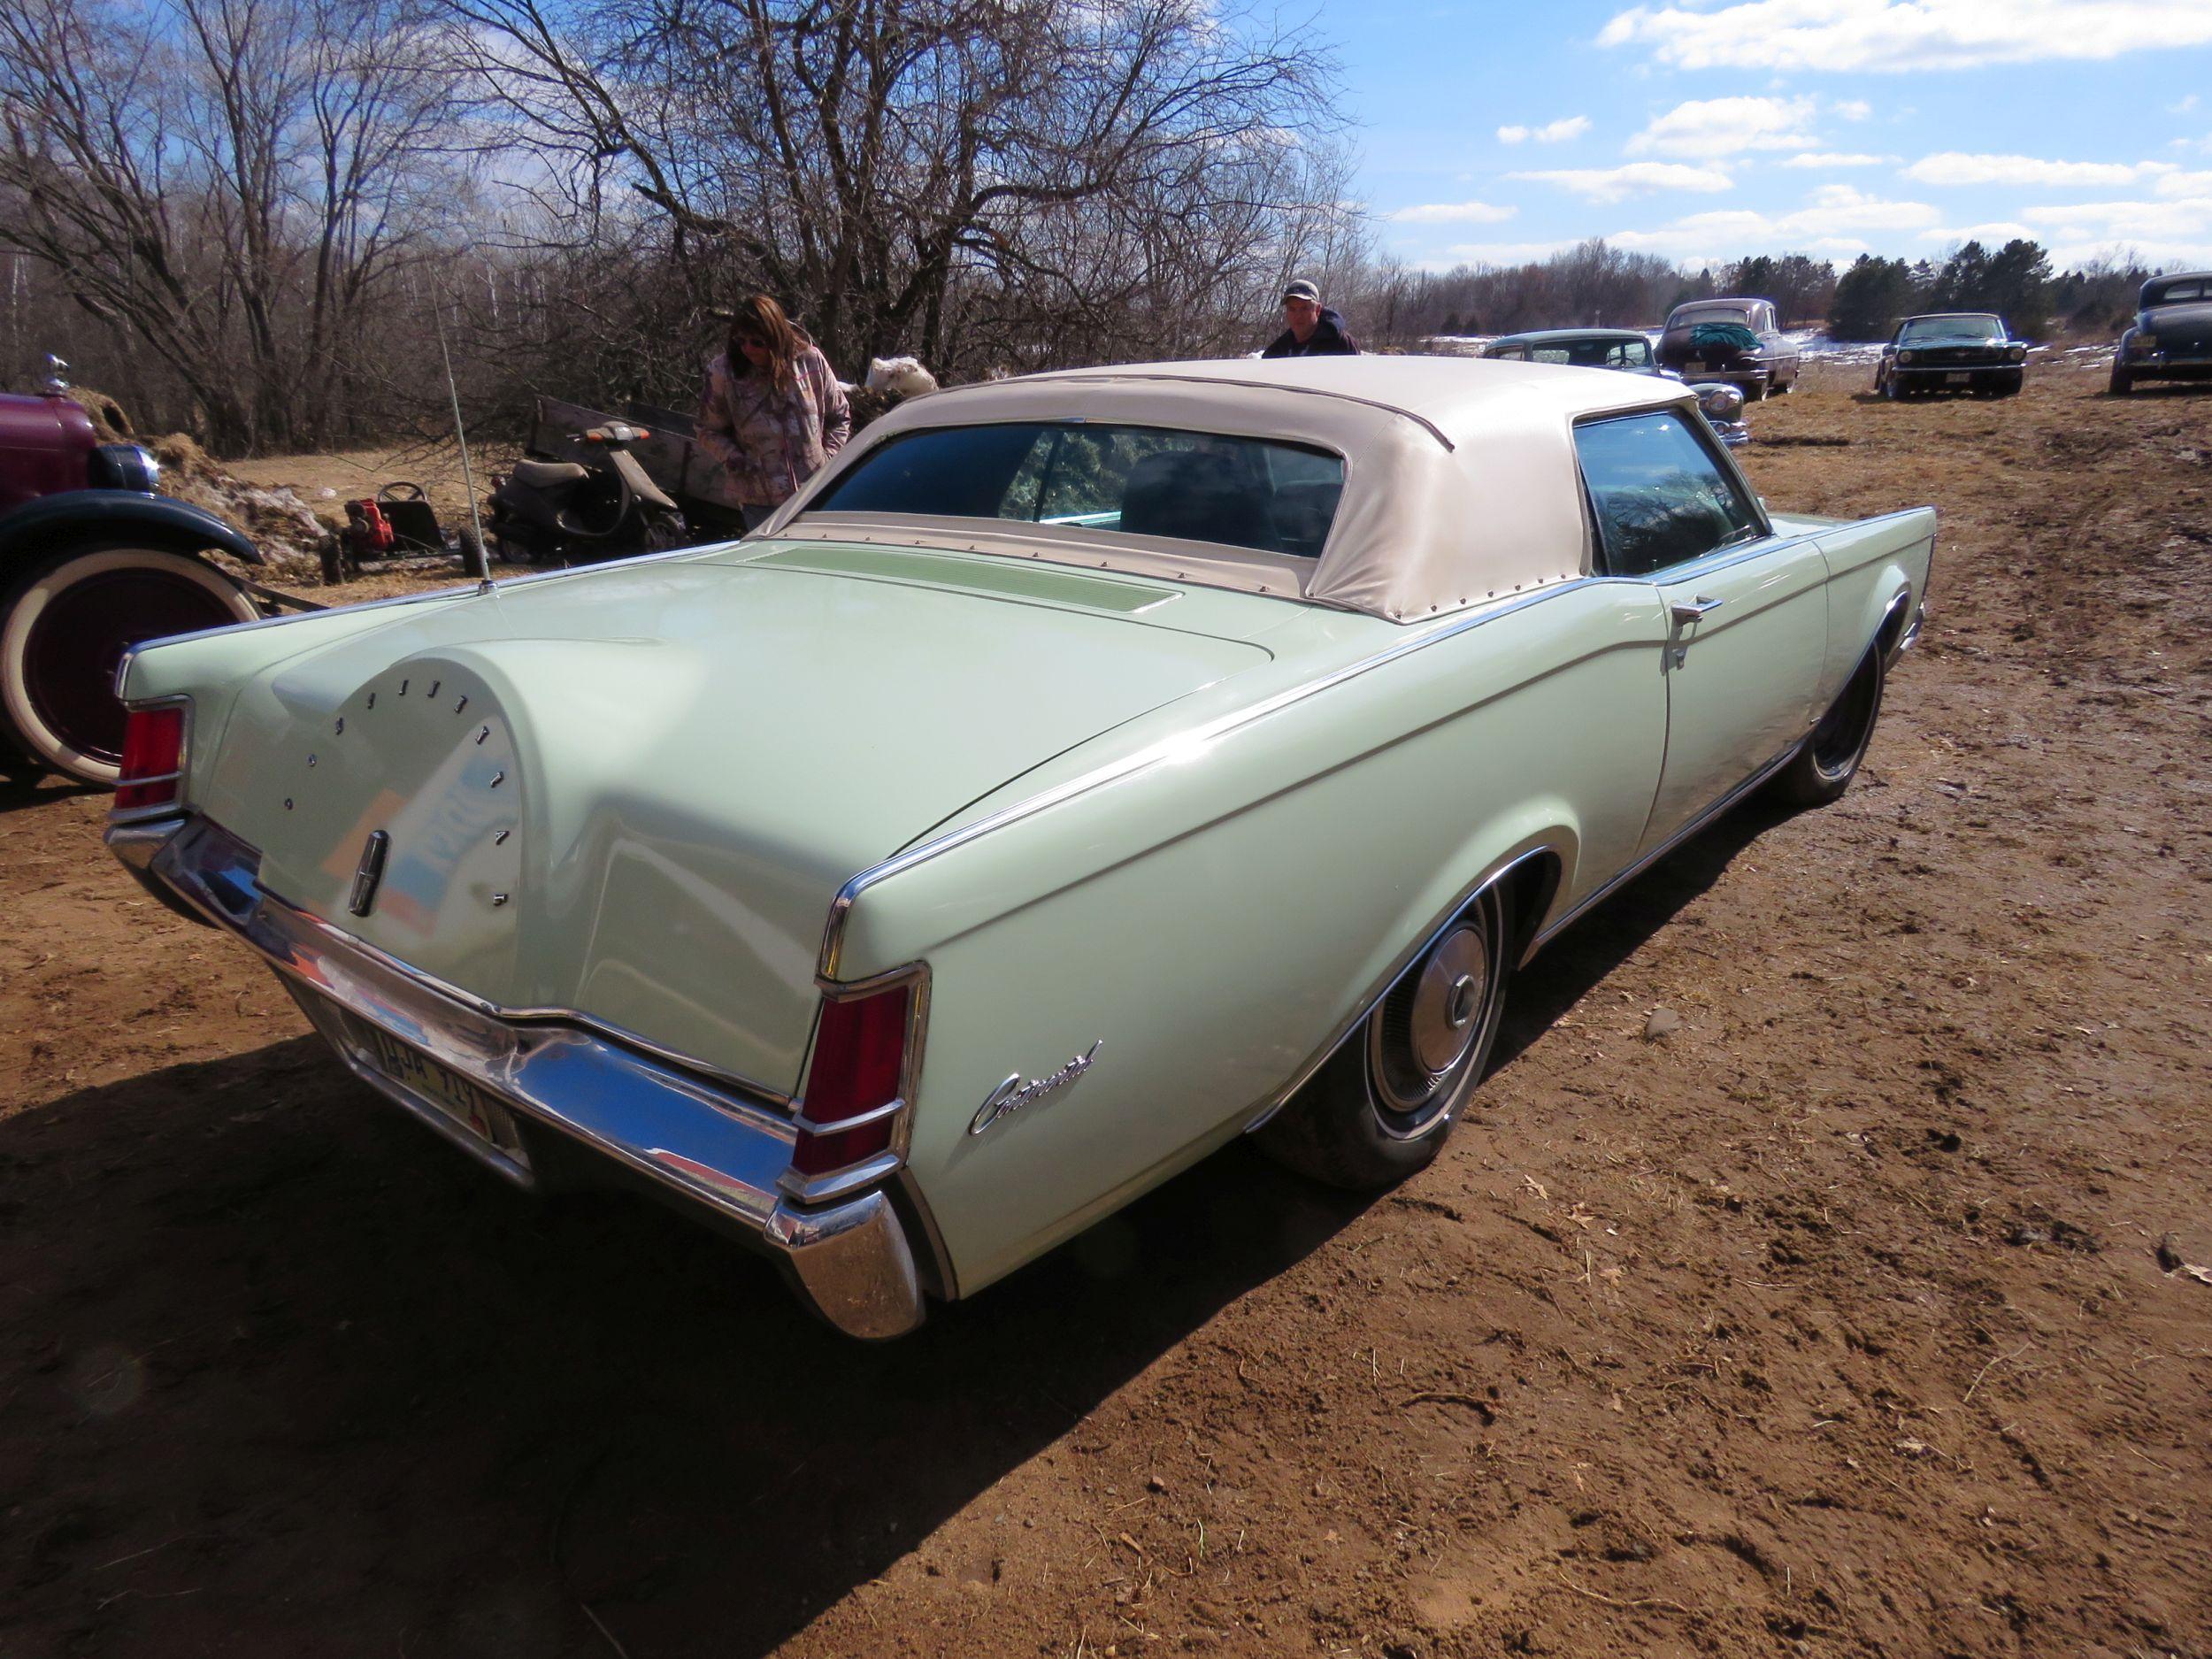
(1833, 1323)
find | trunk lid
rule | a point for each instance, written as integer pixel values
(634, 793)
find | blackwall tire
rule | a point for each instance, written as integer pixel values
(1823, 769)
(2122, 383)
(1381, 1106)
(65, 625)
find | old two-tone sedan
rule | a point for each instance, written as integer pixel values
(1086, 770)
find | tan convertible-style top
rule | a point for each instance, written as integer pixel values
(1460, 484)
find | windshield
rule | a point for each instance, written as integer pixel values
(2177, 293)
(1718, 313)
(1922, 328)
(1125, 480)
(1600, 353)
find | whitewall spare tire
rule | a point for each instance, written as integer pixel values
(64, 623)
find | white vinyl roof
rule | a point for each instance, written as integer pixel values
(1460, 483)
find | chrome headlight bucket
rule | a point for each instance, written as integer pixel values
(1719, 402)
(2017, 354)
(1905, 356)
(124, 466)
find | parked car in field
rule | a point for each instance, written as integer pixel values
(1736, 341)
(1626, 350)
(92, 562)
(2171, 338)
(1081, 772)
(1951, 351)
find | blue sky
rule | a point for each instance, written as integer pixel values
(1710, 129)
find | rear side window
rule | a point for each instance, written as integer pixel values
(1659, 496)
(1129, 481)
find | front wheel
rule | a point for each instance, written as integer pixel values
(64, 628)
(1381, 1105)
(1823, 769)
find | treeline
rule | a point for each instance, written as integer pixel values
(253, 217)
(1593, 285)
(263, 219)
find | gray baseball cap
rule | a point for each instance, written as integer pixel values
(1302, 289)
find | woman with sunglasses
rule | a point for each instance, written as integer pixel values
(773, 414)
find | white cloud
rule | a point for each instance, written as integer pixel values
(1832, 158)
(1824, 225)
(1634, 178)
(1551, 133)
(1903, 35)
(1955, 167)
(1710, 128)
(1854, 109)
(2187, 184)
(2174, 230)
(2188, 104)
(1452, 213)
(1999, 231)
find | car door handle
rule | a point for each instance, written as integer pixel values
(1695, 609)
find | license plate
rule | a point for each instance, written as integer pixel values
(1957, 379)
(443, 1089)
(1694, 368)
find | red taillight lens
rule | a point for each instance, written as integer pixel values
(859, 1055)
(153, 754)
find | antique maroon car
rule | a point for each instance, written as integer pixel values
(92, 562)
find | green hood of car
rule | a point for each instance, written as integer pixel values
(634, 793)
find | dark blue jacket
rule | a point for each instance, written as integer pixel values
(1330, 338)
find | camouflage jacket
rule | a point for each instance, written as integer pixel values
(771, 443)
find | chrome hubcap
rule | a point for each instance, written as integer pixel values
(1420, 1038)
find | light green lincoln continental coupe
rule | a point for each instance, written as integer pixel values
(1083, 770)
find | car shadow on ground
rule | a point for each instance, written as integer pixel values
(282, 1371)
(21, 790)
(1581, 955)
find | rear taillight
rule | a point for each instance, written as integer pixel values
(153, 758)
(851, 1108)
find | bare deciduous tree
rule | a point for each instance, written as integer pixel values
(233, 182)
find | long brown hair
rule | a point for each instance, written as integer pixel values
(758, 317)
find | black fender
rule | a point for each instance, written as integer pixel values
(53, 522)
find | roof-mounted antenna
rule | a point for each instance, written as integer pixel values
(483, 572)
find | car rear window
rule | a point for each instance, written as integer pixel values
(2174, 293)
(1659, 496)
(1233, 491)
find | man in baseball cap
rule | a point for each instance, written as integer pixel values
(1314, 331)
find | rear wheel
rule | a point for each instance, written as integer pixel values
(1381, 1105)
(2122, 381)
(64, 628)
(1823, 768)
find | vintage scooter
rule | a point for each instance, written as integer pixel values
(569, 512)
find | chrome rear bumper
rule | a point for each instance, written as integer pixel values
(703, 1144)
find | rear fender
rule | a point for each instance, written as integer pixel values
(78, 516)
(1878, 580)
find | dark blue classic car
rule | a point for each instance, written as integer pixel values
(2172, 336)
(1951, 351)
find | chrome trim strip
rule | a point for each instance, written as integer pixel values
(1405, 960)
(1665, 847)
(135, 841)
(1178, 748)
(806, 1126)
(814, 1189)
(568, 1017)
